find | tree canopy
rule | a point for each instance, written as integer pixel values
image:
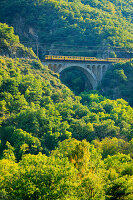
(69, 27)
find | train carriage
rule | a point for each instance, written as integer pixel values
(81, 58)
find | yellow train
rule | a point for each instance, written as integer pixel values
(80, 58)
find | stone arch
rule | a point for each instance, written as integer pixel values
(89, 67)
(94, 69)
(54, 67)
(99, 72)
(58, 67)
(90, 76)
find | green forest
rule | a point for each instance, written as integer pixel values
(56, 143)
(70, 26)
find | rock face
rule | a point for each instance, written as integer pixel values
(11, 46)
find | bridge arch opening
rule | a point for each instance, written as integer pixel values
(94, 69)
(104, 68)
(89, 67)
(99, 72)
(50, 66)
(54, 67)
(76, 79)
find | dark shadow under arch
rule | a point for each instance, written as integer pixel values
(76, 79)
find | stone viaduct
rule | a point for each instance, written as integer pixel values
(93, 70)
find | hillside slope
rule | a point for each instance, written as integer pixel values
(40, 122)
(69, 27)
(34, 103)
(10, 45)
(39, 114)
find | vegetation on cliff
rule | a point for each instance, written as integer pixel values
(10, 45)
(59, 23)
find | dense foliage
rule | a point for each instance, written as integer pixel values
(53, 144)
(33, 102)
(117, 82)
(75, 170)
(58, 23)
(37, 114)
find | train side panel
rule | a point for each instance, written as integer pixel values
(90, 58)
(78, 58)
